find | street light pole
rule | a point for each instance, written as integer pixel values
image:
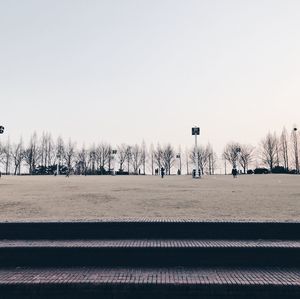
(196, 132)
(178, 156)
(238, 151)
(1, 132)
(58, 162)
(296, 150)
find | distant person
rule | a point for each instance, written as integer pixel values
(139, 171)
(162, 172)
(0, 174)
(67, 173)
(234, 172)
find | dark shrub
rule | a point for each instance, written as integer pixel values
(261, 171)
(279, 169)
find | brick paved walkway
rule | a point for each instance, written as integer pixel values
(189, 276)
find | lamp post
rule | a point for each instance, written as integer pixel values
(178, 156)
(1, 132)
(238, 151)
(58, 162)
(296, 149)
(196, 132)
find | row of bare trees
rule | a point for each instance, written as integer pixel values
(43, 154)
(274, 151)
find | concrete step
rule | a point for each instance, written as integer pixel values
(150, 229)
(149, 253)
(172, 283)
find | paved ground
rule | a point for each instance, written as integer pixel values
(257, 197)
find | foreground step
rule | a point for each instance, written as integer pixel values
(150, 259)
(150, 229)
(150, 283)
(149, 253)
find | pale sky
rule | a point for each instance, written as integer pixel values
(124, 70)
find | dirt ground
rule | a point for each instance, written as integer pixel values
(256, 197)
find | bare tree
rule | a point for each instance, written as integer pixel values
(231, 153)
(158, 156)
(51, 152)
(103, 151)
(121, 155)
(269, 150)
(152, 158)
(202, 153)
(47, 150)
(136, 158)
(110, 158)
(128, 157)
(60, 150)
(7, 156)
(69, 154)
(144, 156)
(92, 159)
(284, 145)
(17, 155)
(31, 153)
(168, 158)
(82, 161)
(245, 156)
(212, 159)
(187, 159)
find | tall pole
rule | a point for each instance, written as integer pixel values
(196, 159)
(196, 131)
(180, 163)
(1, 132)
(58, 161)
(296, 150)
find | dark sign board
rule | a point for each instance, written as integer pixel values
(195, 131)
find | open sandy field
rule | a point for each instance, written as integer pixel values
(257, 197)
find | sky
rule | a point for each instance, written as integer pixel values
(126, 71)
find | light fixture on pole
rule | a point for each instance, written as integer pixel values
(58, 162)
(196, 132)
(296, 149)
(237, 151)
(178, 156)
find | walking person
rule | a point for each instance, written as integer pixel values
(234, 173)
(162, 172)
